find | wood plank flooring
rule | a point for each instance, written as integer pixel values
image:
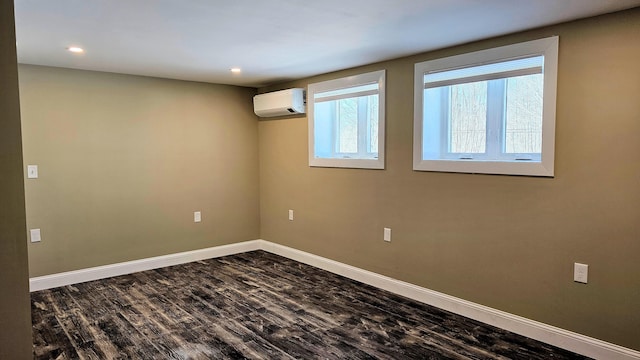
(257, 305)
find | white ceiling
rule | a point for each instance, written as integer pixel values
(271, 40)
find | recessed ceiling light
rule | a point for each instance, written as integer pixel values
(75, 49)
(236, 70)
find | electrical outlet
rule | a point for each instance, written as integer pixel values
(35, 235)
(580, 272)
(290, 215)
(32, 171)
(197, 216)
(387, 234)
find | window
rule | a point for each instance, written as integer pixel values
(491, 111)
(346, 122)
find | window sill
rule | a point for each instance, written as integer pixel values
(348, 163)
(523, 168)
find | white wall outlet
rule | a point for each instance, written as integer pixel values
(197, 216)
(35, 235)
(580, 272)
(32, 171)
(290, 215)
(387, 234)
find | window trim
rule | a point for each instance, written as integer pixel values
(378, 77)
(548, 47)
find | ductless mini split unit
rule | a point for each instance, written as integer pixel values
(279, 103)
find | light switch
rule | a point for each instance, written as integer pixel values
(32, 171)
(290, 215)
(35, 235)
(197, 216)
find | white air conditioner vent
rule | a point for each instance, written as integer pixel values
(279, 103)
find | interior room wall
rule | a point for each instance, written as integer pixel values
(508, 242)
(15, 316)
(124, 161)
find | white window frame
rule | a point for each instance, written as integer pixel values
(342, 160)
(548, 47)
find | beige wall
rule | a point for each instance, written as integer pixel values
(503, 241)
(124, 161)
(15, 318)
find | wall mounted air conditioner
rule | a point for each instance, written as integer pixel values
(279, 103)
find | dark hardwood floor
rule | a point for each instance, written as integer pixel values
(257, 306)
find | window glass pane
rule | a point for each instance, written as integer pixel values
(372, 125)
(323, 129)
(523, 125)
(347, 118)
(468, 118)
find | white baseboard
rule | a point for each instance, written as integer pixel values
(561, 338)
(106, 271)
(565, 339)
